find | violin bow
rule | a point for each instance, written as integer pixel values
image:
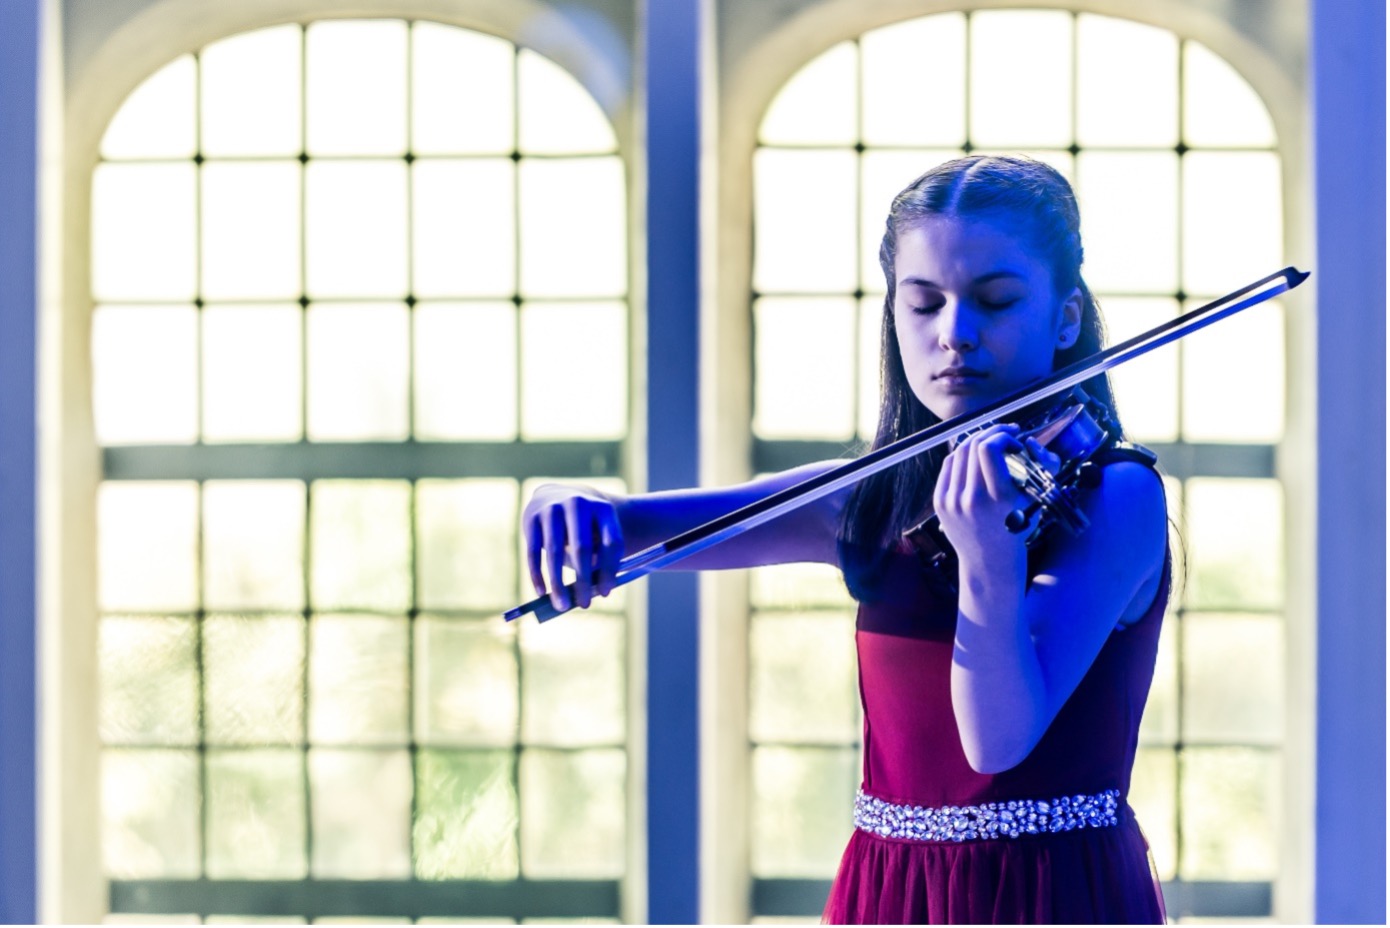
(760, 512)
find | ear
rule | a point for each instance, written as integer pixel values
(1069, 322)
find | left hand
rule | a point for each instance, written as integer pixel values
(975, 494)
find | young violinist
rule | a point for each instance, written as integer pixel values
(1001, 721)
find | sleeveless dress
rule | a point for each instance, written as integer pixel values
(913, 756)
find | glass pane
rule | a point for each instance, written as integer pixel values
(149, 805)
(251, 241)
(803, 810)
(870, 352)
(149, 681)
(1235, 543)
(1146, 389)
(143, 236)
(574, 227)
(355, 229)
(803, 359)
(254, 688)
(144, 374)
(1231, 812)
(1160, 722)
(798, 586)
(465, 682)
(1020, 78)
(355, 83)
(466, 543)
(253, 544)
(802, 680)
(156, 120)
(898, 109)
(1233, 220)
(1233, 678)
(464, 233)
(1233, 378)
(557, 115)
(573, 814)
(358, 680)
(361, 814)
(804, 221)
(460, 91)
(465, 826)
(360, 544)
(1126, 83)
(572, 682)
(818, 105)
(883, 175)
(1219, 106)
(147, 546)
(1130, 204)
(251, 85)
(573, 370)
(465, 371)
(1153, 794)
(256, 815)
(359, 372)
(253, 360)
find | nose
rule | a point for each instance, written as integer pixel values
(958, 330)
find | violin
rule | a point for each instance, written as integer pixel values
(1056, 500)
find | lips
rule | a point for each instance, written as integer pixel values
(959, 374)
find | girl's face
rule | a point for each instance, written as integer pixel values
(976, 314)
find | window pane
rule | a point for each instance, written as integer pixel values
(798, 586)
(149, 805)
(253, 360)
(803, 685)
(356, 87)
(1219, 106)
(573, 370)
(156, 120)
(256, 816)
(898, 110)
(804, 227)
(558, 115)
(464, 227)
(149, 681)
(1233, 378)
(147, 544)
(1123, 251)
(143, 237)
(1231, 808)
(1153, 794)
(1232, 220)
(144, 374)
(1146, 389)
(359, 380)
(355, 229)
(251, 86)
(357, 680)
(251, 238)
(1235, 543)
(465, 682)
(573, 691)
(871, 311)
(883, 175)
(254, 687)
(466, 822)
(803, 809)
(461, 91)
(253, 544)
(804, 367)
(1160, 723)
(1233, 678)
(573, 814)
(574, 222)
(1126, 83)
(818, 105)
(360, 545)
(465, 371)
(1020, 78)
(361, 810)
(466, 544)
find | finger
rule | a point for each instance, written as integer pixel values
(994, 470)
(554, 525)
(942, 495)
(1052, 463)
(579, 522)
(610, 534)
(534, 537)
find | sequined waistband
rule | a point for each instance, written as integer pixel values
(990, 820)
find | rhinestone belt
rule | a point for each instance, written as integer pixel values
(991, 820)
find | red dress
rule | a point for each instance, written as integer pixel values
(913, 756)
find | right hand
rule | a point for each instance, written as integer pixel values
(575, 527)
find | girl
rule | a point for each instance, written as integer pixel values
(1000, 723)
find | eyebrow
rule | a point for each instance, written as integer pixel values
(982, 279)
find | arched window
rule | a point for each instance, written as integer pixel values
(339, 272)
(1174, 160)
